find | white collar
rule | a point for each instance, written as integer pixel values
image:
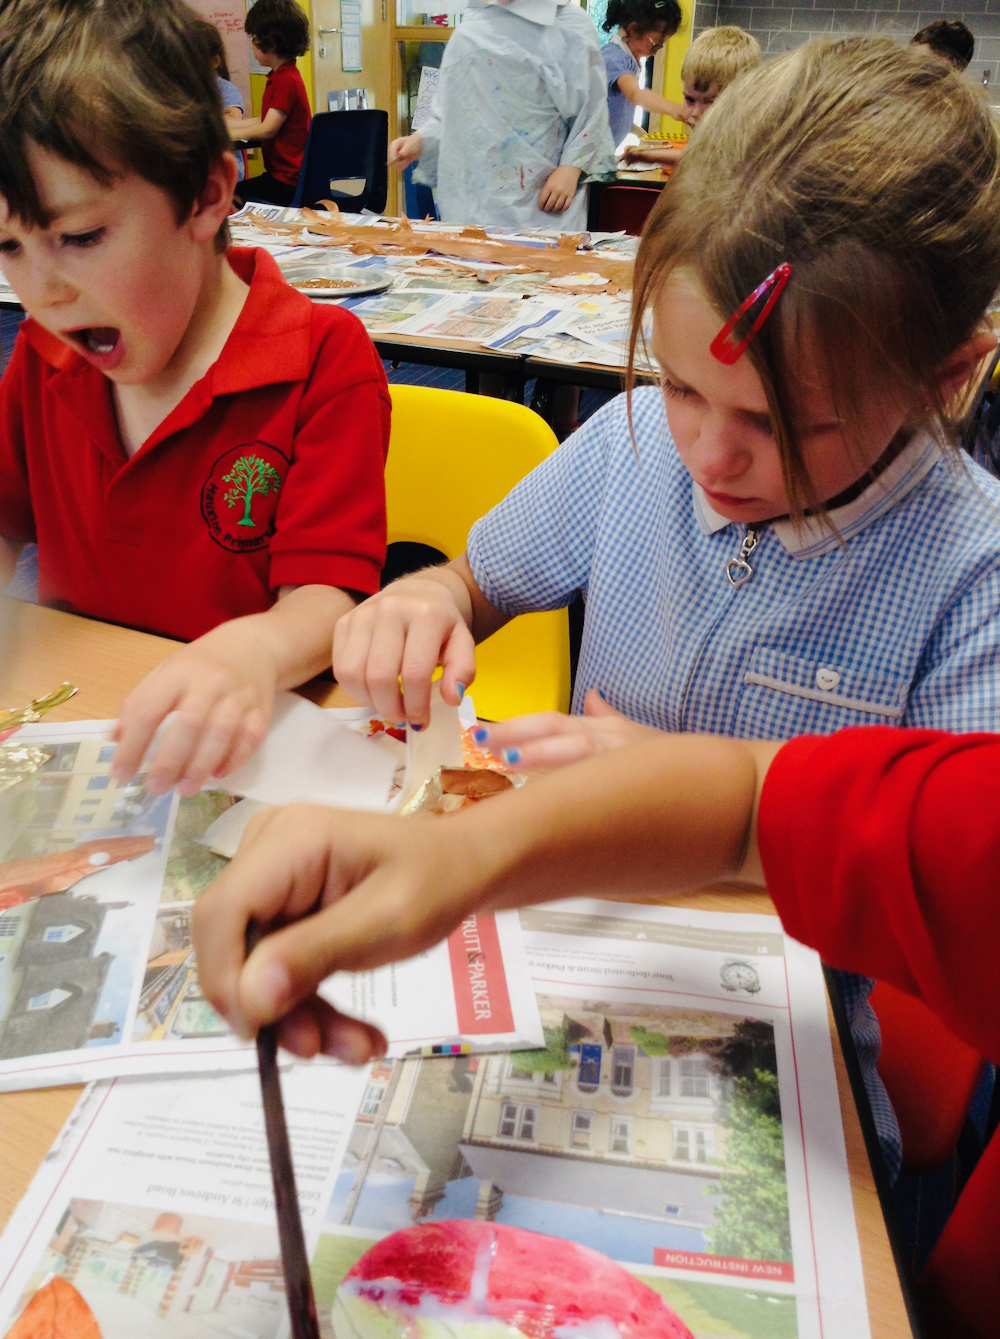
(814, 537)
(542, 12)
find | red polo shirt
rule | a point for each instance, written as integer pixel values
(881, 849)
(283, 154)
(269, 472)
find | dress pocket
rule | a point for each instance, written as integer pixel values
(787, 695)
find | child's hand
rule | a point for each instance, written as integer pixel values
(550, 739)
(223, 696)
(403, 152)
(556, 195)
(222, 686)
(371, 890)
(406, 631)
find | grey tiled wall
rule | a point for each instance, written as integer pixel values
(784, 24)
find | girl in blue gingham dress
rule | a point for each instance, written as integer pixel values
(784, 539)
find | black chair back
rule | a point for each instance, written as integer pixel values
(343, 145)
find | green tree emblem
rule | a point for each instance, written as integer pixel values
(249, 477)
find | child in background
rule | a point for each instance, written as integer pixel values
(747, 558)
(279, 31)
(643, 27)
(232, 98)
(713, 61)
(520, 115)
(196, 448)
(948, 39)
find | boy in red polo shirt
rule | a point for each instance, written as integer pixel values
(197, 449)
(279, 32)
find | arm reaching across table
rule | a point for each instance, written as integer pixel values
(353, 891)
(880, 848)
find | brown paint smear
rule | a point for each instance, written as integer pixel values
(474, 244)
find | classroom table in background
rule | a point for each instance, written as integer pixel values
(44, 647)
(515, 370)
(654, 178)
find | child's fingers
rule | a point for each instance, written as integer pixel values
(315, 1027)
(595, 705)
(280, 870)
(352, 638)
(545, 739)
(555, 751)
(142, 711)
(385, 660)
(224, 729)
(459, 662)
(193, 731)
(421, 655)
(347, 891)
(520, 730)
(247, 741)
(386, 915)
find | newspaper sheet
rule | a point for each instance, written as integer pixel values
(682, 1119)
(97, 970)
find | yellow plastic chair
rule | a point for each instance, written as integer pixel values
(452, 457)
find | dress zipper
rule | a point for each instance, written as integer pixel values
(738, 570)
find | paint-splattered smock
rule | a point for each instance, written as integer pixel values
(517, 99)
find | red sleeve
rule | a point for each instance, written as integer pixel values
(881, 849)
(330, 521)
(285, 94)
(16, 515)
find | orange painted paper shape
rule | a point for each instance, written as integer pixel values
(57, 1311)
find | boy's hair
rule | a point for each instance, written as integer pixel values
(214, 47)
(110, 86)
(876, 174)
(949, 38)
(649, 16)
(717, 56)
(279, 26)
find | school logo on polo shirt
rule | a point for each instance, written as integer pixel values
(240, 496)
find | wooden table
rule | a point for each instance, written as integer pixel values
(39, 648)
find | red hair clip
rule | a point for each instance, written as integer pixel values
(724, 347)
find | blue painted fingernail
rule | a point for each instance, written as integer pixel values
(602, 695)
(511, 756)
(481, 735)
(416, 727)
(460, 690)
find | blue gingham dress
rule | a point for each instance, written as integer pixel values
(895, 623)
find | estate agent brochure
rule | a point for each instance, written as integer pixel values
(682, 1119)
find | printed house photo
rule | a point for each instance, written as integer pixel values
(191, 865)
(146, 1271)
(172, 1006)
(638, 1131)
(80, 855)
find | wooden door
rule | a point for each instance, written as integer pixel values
(376, 74)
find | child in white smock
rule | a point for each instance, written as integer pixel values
(520, 116)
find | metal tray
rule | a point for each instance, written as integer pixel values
(357, 279)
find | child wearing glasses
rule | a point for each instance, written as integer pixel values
(642, 28)
(783, 538)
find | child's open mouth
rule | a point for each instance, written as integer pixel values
(100, 344)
